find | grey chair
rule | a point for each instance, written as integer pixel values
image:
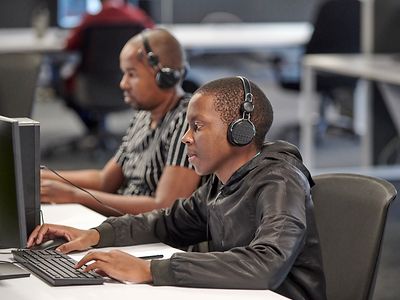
(350, 212)
(97, 91)
(18, 77)
(99, 74)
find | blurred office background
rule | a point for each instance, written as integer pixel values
(338, 144)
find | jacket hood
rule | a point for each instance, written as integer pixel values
(283, 148)
(277, 150)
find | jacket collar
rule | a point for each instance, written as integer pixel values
(278, 150)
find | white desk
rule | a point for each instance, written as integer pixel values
(216, 37)
(379, 68)
(24, 40)
(241, 36)
(72, 214)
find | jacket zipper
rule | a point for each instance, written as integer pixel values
(213, 206)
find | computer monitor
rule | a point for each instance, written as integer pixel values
(19, 180)
(70, 12)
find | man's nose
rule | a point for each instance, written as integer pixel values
(122, 83)
(187, 137)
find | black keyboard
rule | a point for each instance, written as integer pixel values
(55, 268)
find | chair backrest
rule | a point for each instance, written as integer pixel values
(18, 78)
(336, 28)
(99, 74)
(350, 212)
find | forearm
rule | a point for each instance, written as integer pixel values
(88, 179)
(129, 230)
(110, 204)
(260, 266)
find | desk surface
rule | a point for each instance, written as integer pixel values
(73, 214)
(226, 37)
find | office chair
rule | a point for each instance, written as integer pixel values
(336, 30)
(97, 91)
(18, 77)
(99, 73)
(350, 212)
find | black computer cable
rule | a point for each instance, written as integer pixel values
(43, 167)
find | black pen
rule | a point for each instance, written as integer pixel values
(151, 256)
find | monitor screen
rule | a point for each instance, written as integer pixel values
(19, 180)
(70, 12)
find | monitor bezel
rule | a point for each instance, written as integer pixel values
(19, 187)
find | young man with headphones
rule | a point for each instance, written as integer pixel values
(255, 211)
(151, 159)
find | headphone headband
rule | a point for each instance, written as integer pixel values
(151, 57)
(165, 77)
(146, 44)
(248, 96)
(247, 106)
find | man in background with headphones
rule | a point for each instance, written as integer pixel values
(151, 160)
(255, 212)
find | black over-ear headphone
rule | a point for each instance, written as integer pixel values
(165, 77)
(242, 131)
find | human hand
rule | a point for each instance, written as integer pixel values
(77, 239)
(52, 191)
(46, 174)
(118, 265)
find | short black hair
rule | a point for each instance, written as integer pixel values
(228, 98)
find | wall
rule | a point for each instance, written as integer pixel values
(187, 11)
(17, 13)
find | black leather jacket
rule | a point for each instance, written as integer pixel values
(260, 226)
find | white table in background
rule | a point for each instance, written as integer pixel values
(24, 40)
(245, 37)
(204, 37)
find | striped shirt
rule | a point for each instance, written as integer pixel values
(145, 152)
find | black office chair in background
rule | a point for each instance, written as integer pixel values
(97, 92)
(18, 78)
(336, 30)
(350, 212)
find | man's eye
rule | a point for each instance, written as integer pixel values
(196, 127)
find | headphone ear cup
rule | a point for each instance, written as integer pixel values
(241, 132)
(167, 78)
